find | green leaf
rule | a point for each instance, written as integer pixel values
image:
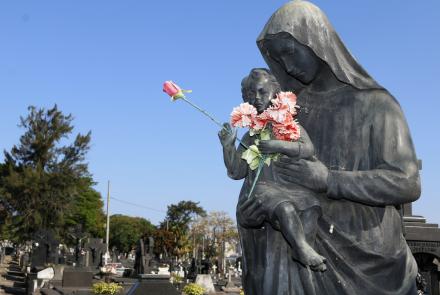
(265, 134)
(267, 161)
(254, 164)
(252, 156)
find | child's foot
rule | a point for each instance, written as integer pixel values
(309, 257)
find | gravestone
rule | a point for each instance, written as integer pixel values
(115, 254)
(206, 282)
(45, 248)
(77, 278)
(39, 255)
(423, 239)
(144, 262)
(77, 234)
(192, 270)
(95, 249)
(153, 285)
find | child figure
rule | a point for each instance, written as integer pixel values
(291, 209)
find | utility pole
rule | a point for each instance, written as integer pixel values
(107, 236)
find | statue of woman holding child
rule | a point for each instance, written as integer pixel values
(363, 167)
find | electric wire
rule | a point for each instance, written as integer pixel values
(137, 205)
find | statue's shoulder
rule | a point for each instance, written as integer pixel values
(377, 98)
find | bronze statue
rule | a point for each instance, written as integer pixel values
(364, 167)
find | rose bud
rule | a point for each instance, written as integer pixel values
(173, 90)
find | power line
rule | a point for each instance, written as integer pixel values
(137, 205)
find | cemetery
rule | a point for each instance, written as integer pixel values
(318, 156)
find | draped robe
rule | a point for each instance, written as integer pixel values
(360, 134)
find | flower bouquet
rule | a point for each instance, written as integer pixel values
(276, 122)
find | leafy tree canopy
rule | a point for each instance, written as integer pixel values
(125, 231)
(42, 177)
(87, 213)
(177, 221)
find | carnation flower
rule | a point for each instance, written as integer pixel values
(259, 122)
(286, 132)
(243, 115)
(277, 112)
(288, 100)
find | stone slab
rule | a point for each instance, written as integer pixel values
(73, 278)
(206, 282)
(153, 287)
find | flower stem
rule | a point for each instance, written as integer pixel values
(257, 175)
(212, 119)
(203, 112)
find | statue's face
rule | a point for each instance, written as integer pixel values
(294, 58)
(259, 93)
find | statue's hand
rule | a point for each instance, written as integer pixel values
(273, 146)
(251, 213)
(312, 174)
(227, 135)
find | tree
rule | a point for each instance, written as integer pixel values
(87, 213)
(224, 233)
(41, 178)
(125, 231)
(213, 233)
(177, 222)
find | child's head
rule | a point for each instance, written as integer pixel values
(258, 88)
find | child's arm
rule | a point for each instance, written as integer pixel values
(237, 167)
(301, 149)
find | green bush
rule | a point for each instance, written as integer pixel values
(193, 289)
(176, 279)
(106, 288)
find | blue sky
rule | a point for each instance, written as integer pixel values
(105, 61)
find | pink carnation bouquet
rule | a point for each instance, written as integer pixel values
(276, 122)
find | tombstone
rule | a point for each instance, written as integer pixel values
(153, 285)
(139, 261)
(164, 270)
(95, 249)
(2, 254)
(77, 278)
(114, 254)
(192, 270)
(180, 272)
(144, 262)
(424, 241)
(77, 234)
(80, 257)
(205, 266)
(230, 286)
(24, 260)
(206, 282)
(58, 272)
(39, 255)
(45, 248)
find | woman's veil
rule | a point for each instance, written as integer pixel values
(310, 26)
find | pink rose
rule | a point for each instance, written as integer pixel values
(170, 88)
(243, 115)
